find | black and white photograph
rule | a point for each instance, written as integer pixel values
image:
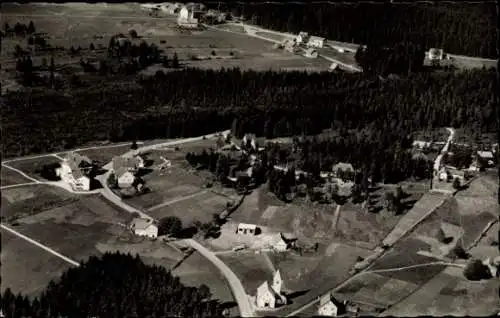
(249, 159)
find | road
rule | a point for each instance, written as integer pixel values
(348, 281)
(44, 247)
(237, 289)
(437, 162)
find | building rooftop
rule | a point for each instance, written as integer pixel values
(141, 223)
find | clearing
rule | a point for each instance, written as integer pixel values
(32, 166)
(27, 268)
(32, 199)
(449, 293)
(11, 177)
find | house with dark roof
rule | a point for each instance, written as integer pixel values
(74, 170)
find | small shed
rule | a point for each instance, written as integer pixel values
(311, 53)
(316, 41)
(247, 229)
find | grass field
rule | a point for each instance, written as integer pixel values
(28, 200)
(232, 28)
(449, 293)
(27, 268)
(200, 207)
(105, 155)
(307, 277)
(168, 185)
(74, 229)
(377, 290)
(197, 270)
(30, 166)
(252, 269)
(10, 177)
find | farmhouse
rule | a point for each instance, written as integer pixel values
(124, 177)
(71, 171)
(485, 158)
(247, 229)
(311, 53)
(283, 244)
(435, 54)
(186, 18)
(316, 41)
(144, 227)
(270, 296)
(329, 306)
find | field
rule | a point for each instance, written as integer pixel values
(471, 136)
(30, 166)
(10, 177)
(485, 247)
(28, 200)
(306, 277)
(104, 155)
(435, 135)
(199, 207)
(80, 25)
(196, 270)
(74, 229)
(252, 269)
(450, 294)
(25, 267)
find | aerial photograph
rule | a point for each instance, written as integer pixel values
(249, 159)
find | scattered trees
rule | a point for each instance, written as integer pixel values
(457, 184)
(476, 270)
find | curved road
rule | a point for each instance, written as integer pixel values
(239, 293)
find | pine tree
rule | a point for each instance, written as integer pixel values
(31, 28)
(175, 61)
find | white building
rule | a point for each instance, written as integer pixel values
(124, 177)
(435, 54)
(186, 18)
(301, 38)
(144, 227)
(316, 41)
(246, 229)
(329, 306)
(270, 296)
(71, 171)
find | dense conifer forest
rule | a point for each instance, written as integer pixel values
(460, 28)
(271, 104)
(115, 285)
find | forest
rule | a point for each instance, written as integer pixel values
(195, 102)
(461, 28)
(114, 285)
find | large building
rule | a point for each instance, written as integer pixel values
(186, 18)
(270, 296)
(73, 171)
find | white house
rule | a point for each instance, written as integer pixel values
(329, 306)
(435, 54)
(301, 38)
(316, 41)
(186, 18)
(124, 177)
(443, 174)
(246, 229)
(71, 171)
(270, 296)
(144, 227)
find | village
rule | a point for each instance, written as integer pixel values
(241, 169)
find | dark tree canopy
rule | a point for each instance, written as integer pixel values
(461, 28)
(115, 285)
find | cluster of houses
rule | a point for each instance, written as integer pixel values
(75, 170)
(304, 43)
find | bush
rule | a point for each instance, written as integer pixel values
(170, 225)
(133, 33)
(459, 252)
(476, 270)
(213, 53)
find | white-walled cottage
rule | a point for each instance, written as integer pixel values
(72, 171)
(144, 227)
(316, 41)
(270, 296)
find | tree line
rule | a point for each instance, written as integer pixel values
(115, 285)
(271, 104)
(458, 28)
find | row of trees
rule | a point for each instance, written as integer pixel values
(19, 29)
(115, 285)
(459, 28)
(196, 102)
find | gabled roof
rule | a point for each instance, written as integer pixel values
(264, 288)
(125, 162)
(485, 154)
(343, 166)
(325, 299)
(312, 38)
(121, 171)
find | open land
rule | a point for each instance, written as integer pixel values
(31, 166)
(27, 268)
(10, 177)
